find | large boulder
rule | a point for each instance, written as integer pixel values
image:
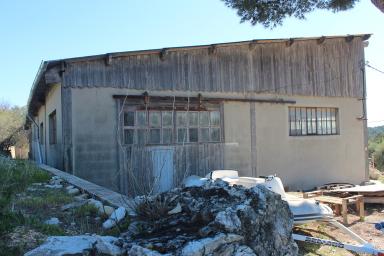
(212, 218)
(77, 245)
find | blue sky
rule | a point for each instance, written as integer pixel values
(32, 31)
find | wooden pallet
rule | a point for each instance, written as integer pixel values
(340, 204)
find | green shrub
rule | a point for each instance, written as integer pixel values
(15, 175)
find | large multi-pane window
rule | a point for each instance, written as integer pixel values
(313, 121)
(171, 127)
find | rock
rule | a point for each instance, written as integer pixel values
(229, 220)
(115, 218)
(137, 250)
(105, 245)
(95, 203)
(207, 246)
(81, 197)
(73, 191)
(212, 219)
(103, 209)
(37, 184)
(69, 187)
(72, 205)
(76, 245)
(52, 221)
(53, 186)
(175, 210)
(243, 250)
(108, 210)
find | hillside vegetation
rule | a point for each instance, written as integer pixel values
(376, 146)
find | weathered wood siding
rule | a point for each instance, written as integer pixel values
(306, 67)
(138, 176)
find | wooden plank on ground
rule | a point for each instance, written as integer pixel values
(111, 197)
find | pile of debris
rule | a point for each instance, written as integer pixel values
(211, 219)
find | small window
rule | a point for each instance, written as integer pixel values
(41, 133)
(312, 121)
(52, 128)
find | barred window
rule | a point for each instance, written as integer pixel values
(313, 121)
(168, 127)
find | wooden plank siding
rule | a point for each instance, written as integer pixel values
(331, 68)
(189, 159)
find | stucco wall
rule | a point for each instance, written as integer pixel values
(302, 162)
(51, 154)
(306, 161)
(237, 129)
(94, 136)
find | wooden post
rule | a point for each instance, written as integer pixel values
(361, 207)
(337, 209)
(344, 211)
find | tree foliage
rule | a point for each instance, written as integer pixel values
(271, 13)
(11, 127)
(376, 146)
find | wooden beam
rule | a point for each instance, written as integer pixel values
(198, 99)
(252, 45)
(290, 42)
(108, 59)
(212, 49)
(349, 38)
(163, 54)
(321, 40)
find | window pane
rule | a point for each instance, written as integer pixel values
(298, 121)
(333, 114)
(319, 124)
(167, 118)
(128, 136)
(329, 123)
(141, 133)
(193, 134)
(154, 119)
(141, 118)
(304, 121)
(204, 134)
(314, 124)
(193, 118)
(292, 121)
(324, 120)
(154, 136)
(167, 136)
(181, 118)
(129, 118)
(334, 130)
(204, 118)
(215, 118)
(215, 134)
(182, 135)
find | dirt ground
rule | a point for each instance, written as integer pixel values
(374, 213)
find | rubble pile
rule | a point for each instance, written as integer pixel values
(212, 219)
